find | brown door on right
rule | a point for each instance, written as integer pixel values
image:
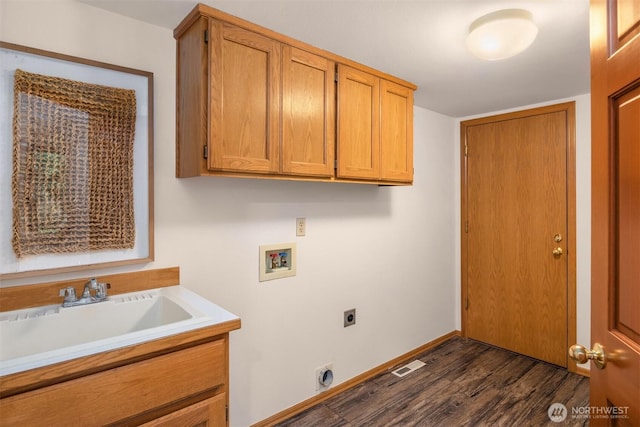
(615, 215)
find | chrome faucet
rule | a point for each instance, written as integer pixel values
(70, 299)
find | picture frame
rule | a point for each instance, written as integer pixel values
(277, 261)
(49, 220)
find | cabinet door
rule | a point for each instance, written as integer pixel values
(308, 113)
(396, 132)
(208, 413)
(124, 392)
(245, 100)
(358, 124)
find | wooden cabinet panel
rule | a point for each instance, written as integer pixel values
(308, 113)
(192, 100)
(208, 413)
(245, 100)
(122, 392)
(358, 124)
(396, 132)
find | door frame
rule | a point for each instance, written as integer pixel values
(569, 109)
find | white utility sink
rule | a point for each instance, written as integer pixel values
(40, 336)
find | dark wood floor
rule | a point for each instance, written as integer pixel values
(464, 383)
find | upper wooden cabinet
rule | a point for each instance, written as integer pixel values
(358, 124)
(245, 100)
(252, 102)
(396, 132)
(375, 127)
(308, 113)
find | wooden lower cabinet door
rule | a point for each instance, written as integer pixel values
(124, 392)
(211, 412)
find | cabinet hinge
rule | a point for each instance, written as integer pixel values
(336, 77)
(466, 150)
(226, 413)
(206, 36)
(205, 152)
(466, 226)
(335, 164)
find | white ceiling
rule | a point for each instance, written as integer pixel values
(421, 41)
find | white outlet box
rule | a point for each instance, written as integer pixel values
(301, 225)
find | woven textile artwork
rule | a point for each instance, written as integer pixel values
(72, 182)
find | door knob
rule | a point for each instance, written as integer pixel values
(581, 355)
(557, 252)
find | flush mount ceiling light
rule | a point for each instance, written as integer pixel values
(501, 34)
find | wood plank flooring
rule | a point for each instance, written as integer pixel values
(464, 383)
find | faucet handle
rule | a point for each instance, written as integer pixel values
(102, 290)
(69, 293)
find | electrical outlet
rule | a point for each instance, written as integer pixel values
(301, 225)
(350, 317)
(324, 377)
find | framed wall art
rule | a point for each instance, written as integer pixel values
(76, 163)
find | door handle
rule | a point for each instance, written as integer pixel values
(581, 355)
(557, 252)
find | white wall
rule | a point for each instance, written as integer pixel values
(583, 213)
(388, 252)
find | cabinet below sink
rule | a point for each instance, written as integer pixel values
(178, 379)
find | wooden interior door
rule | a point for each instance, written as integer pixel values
(358, 124)
(615, 216)
(245, 100)
(308, 113)
(517, 237)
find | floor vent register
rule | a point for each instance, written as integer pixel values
(408, 368)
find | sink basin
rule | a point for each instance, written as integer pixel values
(64, 327)
(40, 336)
